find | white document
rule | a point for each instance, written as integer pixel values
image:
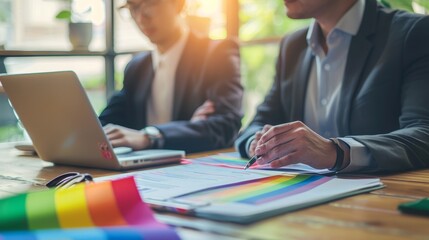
(236, 195)
(233, 160)
(167, 182)
(298, 168)
(242, 212)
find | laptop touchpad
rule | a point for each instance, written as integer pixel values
(122, 150)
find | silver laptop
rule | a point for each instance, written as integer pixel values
(55, 110)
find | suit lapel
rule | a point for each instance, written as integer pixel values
(184, 73)
(143, 91)
(300, 87)
(360, 49)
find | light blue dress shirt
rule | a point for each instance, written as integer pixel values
(326, 78)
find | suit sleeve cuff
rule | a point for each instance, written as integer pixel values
(248, 142)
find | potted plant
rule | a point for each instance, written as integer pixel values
(79, 23)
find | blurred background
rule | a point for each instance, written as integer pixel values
(34, 37)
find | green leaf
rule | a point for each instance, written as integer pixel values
(64, 15)
(399, 4)
(385, 3)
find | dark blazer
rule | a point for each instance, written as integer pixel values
(207, 70)
(384, 100)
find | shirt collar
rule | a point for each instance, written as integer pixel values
(349, 23)
(174, 52)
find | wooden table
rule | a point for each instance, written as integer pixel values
(366, 216)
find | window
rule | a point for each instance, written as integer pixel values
(32, 25)
(262, 25)
(32, 39)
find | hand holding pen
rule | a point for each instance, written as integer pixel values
(292, 143)
(253, 145)
(251, 161)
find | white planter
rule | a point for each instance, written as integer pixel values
(80, 35)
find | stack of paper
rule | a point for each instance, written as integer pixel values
(237, 195)
(106, 210)
(257, 199)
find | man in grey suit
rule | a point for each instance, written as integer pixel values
(350, 92)
(186, 94)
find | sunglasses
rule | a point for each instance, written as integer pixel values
(67, 180)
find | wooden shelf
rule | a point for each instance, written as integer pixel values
(23, 53)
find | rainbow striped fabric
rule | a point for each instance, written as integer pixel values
(104, 210)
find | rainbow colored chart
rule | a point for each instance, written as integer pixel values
(260, 191)
(105, 210)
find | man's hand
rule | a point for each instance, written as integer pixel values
(204, 111)
(125, 137)
(258, 136)
(294, 142)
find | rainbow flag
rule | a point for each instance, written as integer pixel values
(104, 210)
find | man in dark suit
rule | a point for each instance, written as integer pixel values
(186, 94)
(350, 92)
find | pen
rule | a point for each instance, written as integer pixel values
(251, 161)
(170, 206)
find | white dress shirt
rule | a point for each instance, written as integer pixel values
(160, 104)
(326, 78)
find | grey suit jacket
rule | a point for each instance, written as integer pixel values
(384, 100)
